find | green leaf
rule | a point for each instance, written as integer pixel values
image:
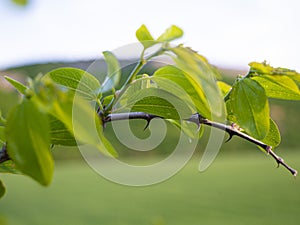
(224, 87)
(260, 68)
(82, 122)
(19, 86)
(113, 72)
(20, 2)
(153, 101)
(200, 73)
(28, 141)
(2, 189)
(8, 167)
(60, 134)
(265, 69)
(144, 36)
(273, 136)
(168, 77)
(170, 34)
(277, 86)
(249, 105)
(76, 80)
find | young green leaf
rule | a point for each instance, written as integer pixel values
(170, 34)
(113, 72)
(153, 101)
(265, 69)
(76, 80)
(249, 105)
(28, 141)
(19, 86)
(144, 36)
(168, 77)
(224, 87)
(277, 86)
(82, 122)
(2, 189)
(273, 136)
(201, 74)
(60, 134)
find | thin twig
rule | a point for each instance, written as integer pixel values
(198, 119)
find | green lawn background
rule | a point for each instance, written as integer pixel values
(241, 190)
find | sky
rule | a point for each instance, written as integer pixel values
(229, 33)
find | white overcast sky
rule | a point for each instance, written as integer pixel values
(228, 32)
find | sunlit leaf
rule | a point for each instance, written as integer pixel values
(76, 80)
(276, 86)
(265, 69)
(19, 86)
(224, 87)
(144, 36)
(170, 34)
(166, 76)
(28, 141)
(81, 120)
(153, 101)
(113, 72)
(199, 72)
(249, 105)
(60, 134)
(273, 136)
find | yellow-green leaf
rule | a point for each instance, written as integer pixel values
(170, 34)
(224, 87)
(273, 136)
(144, 36)
(169, 76)
(277, 86)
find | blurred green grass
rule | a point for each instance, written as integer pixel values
(237, 189)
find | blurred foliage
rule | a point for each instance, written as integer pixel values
(20, 2)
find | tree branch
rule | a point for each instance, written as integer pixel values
(198, 119)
